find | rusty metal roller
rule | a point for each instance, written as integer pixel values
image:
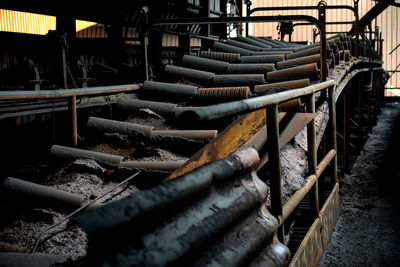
(205, 64)
(262, 59)
(243, 45)
(304, 71)
(250, 68)
(167, 110)
(221, 94)
(197, 76)
(218, 46)
(252, 41)
(262, 88)
(305, 52)
(272, 52)
(222, 56)
(293, 105)
(238, 79)
(171, 90)
(298, 61)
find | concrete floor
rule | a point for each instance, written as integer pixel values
(368, 230)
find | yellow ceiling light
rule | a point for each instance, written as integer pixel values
(24, 22)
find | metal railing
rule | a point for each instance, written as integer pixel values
(270, 103)
(71, 95)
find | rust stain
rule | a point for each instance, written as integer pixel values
(229, 141)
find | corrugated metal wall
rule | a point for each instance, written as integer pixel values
(388, 22)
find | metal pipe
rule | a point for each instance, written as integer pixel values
(252, 68)
(243, 45)
(128, 128)
(169, 90)
(238, 79)
(70, 154)
(152, 165)
(298, 61)
(206, 64)
(44, 194)
(252, 41)
(189, 134)
(259, 89)
(261, 59)
(221, 94)
(312, 154)
(274, 159)
(227, 57)
(222, 47)
(298, 196)
(166, 110)
(304, 71)
(65, 93)
(332, 119)
(346, 130)
(237, 107)
(202, 77)
(306, 52)
(74, 120)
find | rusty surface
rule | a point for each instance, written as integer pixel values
(310, 251)
(329, 216)
(230, 140)
(221, 94)
(304, 71)
(227, 57)
(298, 61)
(292, 105)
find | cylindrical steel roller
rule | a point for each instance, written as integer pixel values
(166, 110)
(305, 71)
(222, 56)
(303, 53)
(298, 61)
(169, 90)
(262, 59)
(105, 125)
(70, 154)
(222, 94)
(218, 46)
(238, 79)
(252, 41)
(243, 45)
(261, 40)
(259, 89)
(247, 68)
(212, 65)
(293, 105)
(269, 42)
(189, 134)
(153, 165)
(35, 192)
(272, 53)
(197, 76)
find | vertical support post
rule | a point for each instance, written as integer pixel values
(248, 8)
(332, 119)
(369, 102)
(74, 119)
(346, 130)
(322, 34)
(360, 113)
(312, 154)
(275, 163)
(357, 29)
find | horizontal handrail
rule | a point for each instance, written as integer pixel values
(63, 93)
(298, 196)
(237, 107)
